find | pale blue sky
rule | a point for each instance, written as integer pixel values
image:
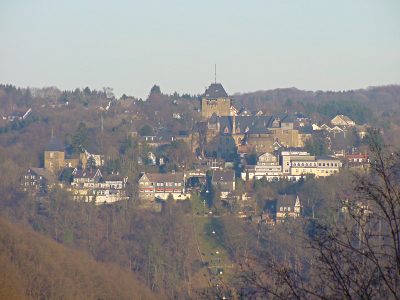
(131, 45)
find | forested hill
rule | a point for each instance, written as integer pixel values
(370, 105)
(33, 266)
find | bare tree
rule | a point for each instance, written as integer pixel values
(357, 256)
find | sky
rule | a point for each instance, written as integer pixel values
(256, 44)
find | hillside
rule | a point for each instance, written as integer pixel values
(382, 101)
(35, 267)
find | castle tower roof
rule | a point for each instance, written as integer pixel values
(214, 91)
(54, 144)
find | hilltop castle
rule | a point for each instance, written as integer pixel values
(216, 101)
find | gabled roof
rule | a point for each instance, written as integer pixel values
(54, 144)
(114, 177)
(308, 129)
(223, 176)
(162, 177)
(86, 173)
(246, 122)
(44, 173)
(343, 118)
(287, 200)
(214, 91)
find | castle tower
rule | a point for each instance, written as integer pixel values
(54, 155)
(215, 100)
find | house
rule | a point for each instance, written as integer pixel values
(267, 167)
(176, 116)
(358, 161)
(98, 158)
(38, 180)
(293, 164)
(91, 185)
(288, 206)
(86, 178)
(267, 159)
(298, 163)
(342, 120)
(157, 185)
(111, 188)
(225, 134)
(362, 130)
(151, 159)
(224, 180)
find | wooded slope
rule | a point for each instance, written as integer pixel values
(33, 266)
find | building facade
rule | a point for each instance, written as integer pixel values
(157, 185)
(215, 101)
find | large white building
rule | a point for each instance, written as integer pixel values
(292, 165)
(156, 185)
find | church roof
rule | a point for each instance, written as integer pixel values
(214, 91)
(54, 144)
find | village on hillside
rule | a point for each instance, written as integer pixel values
(232, 150)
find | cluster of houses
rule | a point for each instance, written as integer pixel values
(278, 141)
(87, 184)
(224, 132)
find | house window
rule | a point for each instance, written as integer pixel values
(281, 208)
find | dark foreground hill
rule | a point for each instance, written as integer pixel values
(33, 266)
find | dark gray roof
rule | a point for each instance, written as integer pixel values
(306, 129)
(54, 145)
(286, 201)
(285, 118)
(44, 173)
(215, 90)
(255, 123)
(223, 176)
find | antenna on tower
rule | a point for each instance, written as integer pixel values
(102, 123)
(215, 73)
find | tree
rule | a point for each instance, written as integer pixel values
(146, 130)
(155, 90)
(316, 145)
(91, 163)
(356, 256)
(66, 175)
(79, 139)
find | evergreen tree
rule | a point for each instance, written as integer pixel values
(79, 139)
(91, 163)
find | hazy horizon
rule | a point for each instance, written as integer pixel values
(260, 45)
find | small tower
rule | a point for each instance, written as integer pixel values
(215, 100)
(54, 155)
(297, 206)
